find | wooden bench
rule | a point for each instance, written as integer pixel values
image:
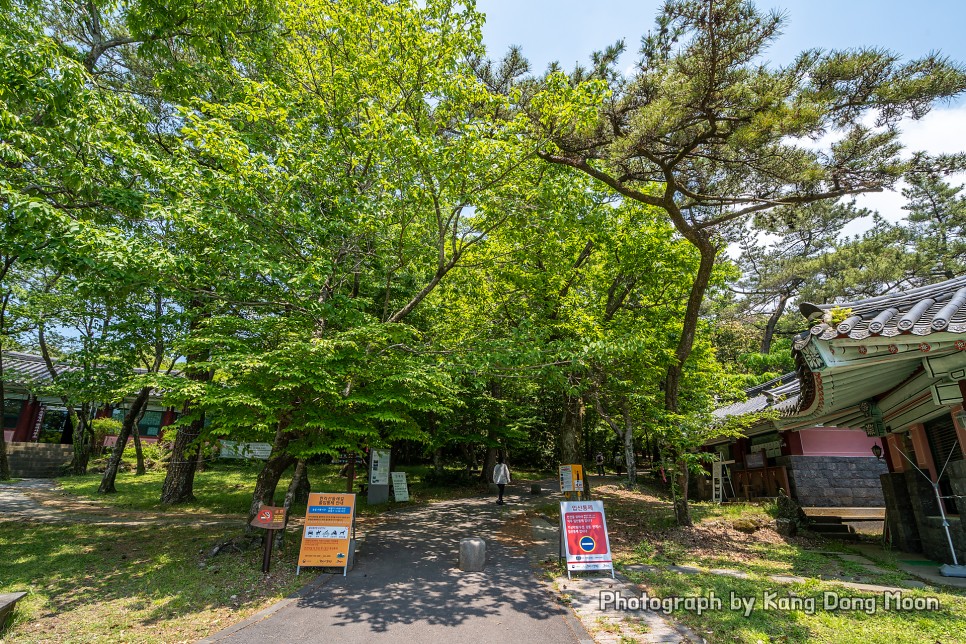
(7, 603)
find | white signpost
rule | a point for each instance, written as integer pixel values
(583, 536)
(400, 489)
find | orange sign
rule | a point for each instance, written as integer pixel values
(270, 518)
(328, 530)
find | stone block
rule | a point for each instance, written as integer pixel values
(472, 554)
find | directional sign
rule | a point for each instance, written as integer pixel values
(326, 538)
(584, 536)
(269, 518)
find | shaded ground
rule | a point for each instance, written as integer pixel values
(406, 586)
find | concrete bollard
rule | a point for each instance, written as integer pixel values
(535, 490)
(472, 554)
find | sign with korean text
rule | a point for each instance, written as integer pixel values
(755, 460)
(269, 518)
(584, 532)
(400, 489)
(572, 478)
(379, 467)
(326, 537)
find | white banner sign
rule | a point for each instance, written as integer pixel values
(583, 529)
(400, 489)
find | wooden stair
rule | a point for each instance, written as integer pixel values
(833, 523)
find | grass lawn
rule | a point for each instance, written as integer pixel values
(157, 582)
(641, 526)
(225, 487)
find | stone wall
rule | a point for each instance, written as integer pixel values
(835, 481)
(913, 514)
(905, 532)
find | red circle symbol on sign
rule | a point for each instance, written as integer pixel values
(265, 516)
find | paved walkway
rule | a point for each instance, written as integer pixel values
(406, 587)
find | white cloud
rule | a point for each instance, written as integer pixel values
(942, 131)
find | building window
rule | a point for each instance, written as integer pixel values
(11, 412)
(150, 424)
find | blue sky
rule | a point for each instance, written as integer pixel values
(569, 30)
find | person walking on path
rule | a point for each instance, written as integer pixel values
(501, 476)
(600, 464)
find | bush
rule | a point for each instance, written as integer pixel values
(104, 427)
(448, 478)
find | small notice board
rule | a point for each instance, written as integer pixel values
(327, 538)
(572, 480)
(269, 518)
(583, 536)
(400, 489)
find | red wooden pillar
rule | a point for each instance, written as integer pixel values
(26, 421)
(168, 416)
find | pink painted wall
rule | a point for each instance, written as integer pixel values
(147, 440)
(828, 441)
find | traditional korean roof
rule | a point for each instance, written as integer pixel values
(774, 393)
(882, 343)
(26, 368)
(918, 312)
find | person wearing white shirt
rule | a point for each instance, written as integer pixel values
(501, 476)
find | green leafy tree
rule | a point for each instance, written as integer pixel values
(707, 132)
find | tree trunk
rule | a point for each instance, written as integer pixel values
(268, 478)
(682, 511)
(200, 463)
(82, 438)
(772, 323)
(179, 481)
(438, 460)
(569, 439)
(4, 462)
(114, 463)
(299, 488)
(691, 317)
(297, 494)
(488, 464)
(139, 453)
(708, 252)
(628, 437)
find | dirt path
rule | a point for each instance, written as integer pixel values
(41, 500)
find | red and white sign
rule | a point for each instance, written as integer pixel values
(585, 540)
(269, 518)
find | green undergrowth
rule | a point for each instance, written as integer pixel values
(157, 583)
(225, 487)
(646, 542)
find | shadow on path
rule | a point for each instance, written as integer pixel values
(406, 586)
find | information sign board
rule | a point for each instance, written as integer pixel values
(400, 488)
(379, 467)
(327, 536)
(583, 530)
(572, 478)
